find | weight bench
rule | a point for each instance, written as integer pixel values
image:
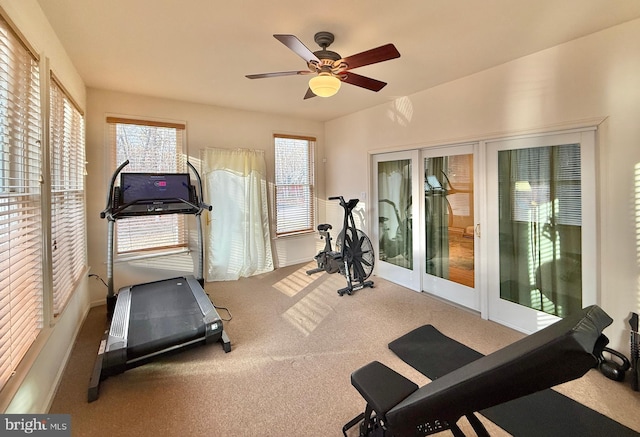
(397, 407)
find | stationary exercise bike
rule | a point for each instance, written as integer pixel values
(353, 256)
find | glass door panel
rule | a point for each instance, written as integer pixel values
(540, 220)
(394, 212)
(394, 189)
(449, 224)
(540, 228)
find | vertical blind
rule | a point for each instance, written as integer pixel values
(294, 184)
(68, 239)
(150, 147)
(21, 312)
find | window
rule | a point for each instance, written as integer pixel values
(68, 239)
(21, 303)
(150, 147)
(294, 184)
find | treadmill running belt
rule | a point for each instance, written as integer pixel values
(163, 314)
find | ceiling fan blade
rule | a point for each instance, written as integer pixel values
(373, 56)
(309, 94)
(277, 74)
(362, 81)
(296, 45)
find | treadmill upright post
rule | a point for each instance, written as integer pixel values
(108, 214)
(111, 296)
(202, 206)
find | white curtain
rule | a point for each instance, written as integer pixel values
(239, 244)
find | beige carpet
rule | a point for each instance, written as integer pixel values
(295, 343)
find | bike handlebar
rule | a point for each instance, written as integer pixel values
(347, 205)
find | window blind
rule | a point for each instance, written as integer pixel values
(21, 312)
(68, 239)
(294, 184)
(150, 147)
(547, 183)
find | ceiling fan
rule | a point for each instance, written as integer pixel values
(329, 68)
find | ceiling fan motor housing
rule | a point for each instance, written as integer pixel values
(327, 57)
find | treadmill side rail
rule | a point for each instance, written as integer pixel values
(96, 375)
(210, 317)
(115, 353)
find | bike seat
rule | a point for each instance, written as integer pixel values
(324, 227)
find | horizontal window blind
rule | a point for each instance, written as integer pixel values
(294, 184)
(150, 147)
(68, 244)
(21, 311)
(547, 182)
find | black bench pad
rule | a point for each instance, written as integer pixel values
(381, 387)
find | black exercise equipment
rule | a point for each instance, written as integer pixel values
(635, 351)
(353, 258)
(561, 352)
(399, 242)
(157, 317)
(611, 368)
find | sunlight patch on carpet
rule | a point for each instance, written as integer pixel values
(296, 281)
(311, 310)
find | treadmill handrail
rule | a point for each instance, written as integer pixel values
(109, 207)
(203, 205)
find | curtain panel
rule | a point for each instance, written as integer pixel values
(238, 240)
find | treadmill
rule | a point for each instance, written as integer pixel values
(158, 317)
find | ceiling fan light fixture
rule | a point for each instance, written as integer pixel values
(324, 84)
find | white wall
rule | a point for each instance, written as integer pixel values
(32, 388)
(595, 76)
(207, 126)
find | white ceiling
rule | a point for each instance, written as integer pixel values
(201, 50)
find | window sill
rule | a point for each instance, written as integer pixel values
(295, 234)
(137, 256)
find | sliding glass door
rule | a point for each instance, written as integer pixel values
(394, 189)
(537, 209)
(541, 228)
(449, 224)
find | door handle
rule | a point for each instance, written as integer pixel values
(477, 230)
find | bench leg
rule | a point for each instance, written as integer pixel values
(477, 426)
(367, 423)
(352, 423)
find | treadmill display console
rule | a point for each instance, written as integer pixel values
(154, 193)
(151, 187)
